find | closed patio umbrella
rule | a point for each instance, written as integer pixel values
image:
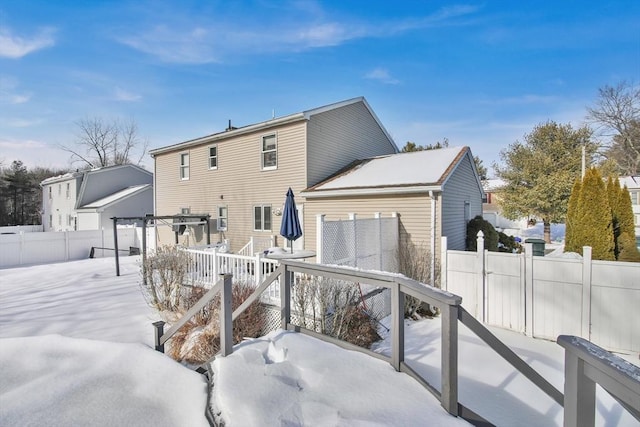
(290, 227)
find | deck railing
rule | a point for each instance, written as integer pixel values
(256, 244)
(400, 287)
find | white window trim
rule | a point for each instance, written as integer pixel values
(226, 218)
(184, 167)
(262, 152)
(212, 168)
(262, 207)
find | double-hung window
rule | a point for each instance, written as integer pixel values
(262, 218)
(222, 218)
(269, 152)
(68, 190)
(213, 157)
(50, 187)
(184, 166)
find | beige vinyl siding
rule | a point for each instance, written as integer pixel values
(339, 136)
(414, 212)
(238, 183)
(460, 187)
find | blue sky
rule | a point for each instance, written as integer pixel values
(480, 74)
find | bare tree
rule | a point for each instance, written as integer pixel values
(616, 113)
(100, 143)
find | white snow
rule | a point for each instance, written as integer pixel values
(76, 349)
(418, 167)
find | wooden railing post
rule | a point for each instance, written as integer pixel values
(579, 393)
(158, 332)
(449, 393)
(226, 323)
(397, 326)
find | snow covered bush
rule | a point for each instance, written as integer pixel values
(332, 307)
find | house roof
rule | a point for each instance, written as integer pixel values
(291, 118)
(632, 182)
(417, 171)
(61, 178)
(116, 197)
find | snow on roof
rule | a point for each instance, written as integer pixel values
(115, 197)
(62, 177)
(417, 167)
(490, 185)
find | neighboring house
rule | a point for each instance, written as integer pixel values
(491, 207)
(633, 185)
(59, 196)
(240, 176)
(88, 200)
(433, 192)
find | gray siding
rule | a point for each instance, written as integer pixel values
(339, 136)
(461, 187)
(101, 183)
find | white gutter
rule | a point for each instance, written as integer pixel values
(362, 191)
(433, 238)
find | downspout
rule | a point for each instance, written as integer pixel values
(433, 237)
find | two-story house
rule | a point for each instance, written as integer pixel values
(88, 200)
(240, 176)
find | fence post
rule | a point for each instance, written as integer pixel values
(397, 326)
(285, 297)
(353, 217)
(319, 237)
(158, 332)
(528, 289)
(377, 216)
(482, 289)
(257, 270)
(449, 363)
(586, 292)
(226, 324)
(443, 262)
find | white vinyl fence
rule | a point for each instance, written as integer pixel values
(15, 229)
(47, 247)
(546, 297)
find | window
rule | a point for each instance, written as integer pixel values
(69, 220)
(213, 157)
(68, 191)
(222, 218)
(269, 152)
(184, 166)
(262, 218)
(60, 219)
(50, 220)
(59, 189)
(50, 188)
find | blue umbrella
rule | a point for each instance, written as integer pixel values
(290, 227)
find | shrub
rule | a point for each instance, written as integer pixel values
(628, 249)
(164, 273)
(414, 261)
(508, 243)
(332, 307)
(199, 339)
(490, 234)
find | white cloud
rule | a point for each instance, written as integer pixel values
(123, 95)
(178, 40)
(13, 46)
(382, 75)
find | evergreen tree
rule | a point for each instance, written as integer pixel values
(572, 238)
(539, 173)
(595, 217)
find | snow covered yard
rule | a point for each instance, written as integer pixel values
(58, 374)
